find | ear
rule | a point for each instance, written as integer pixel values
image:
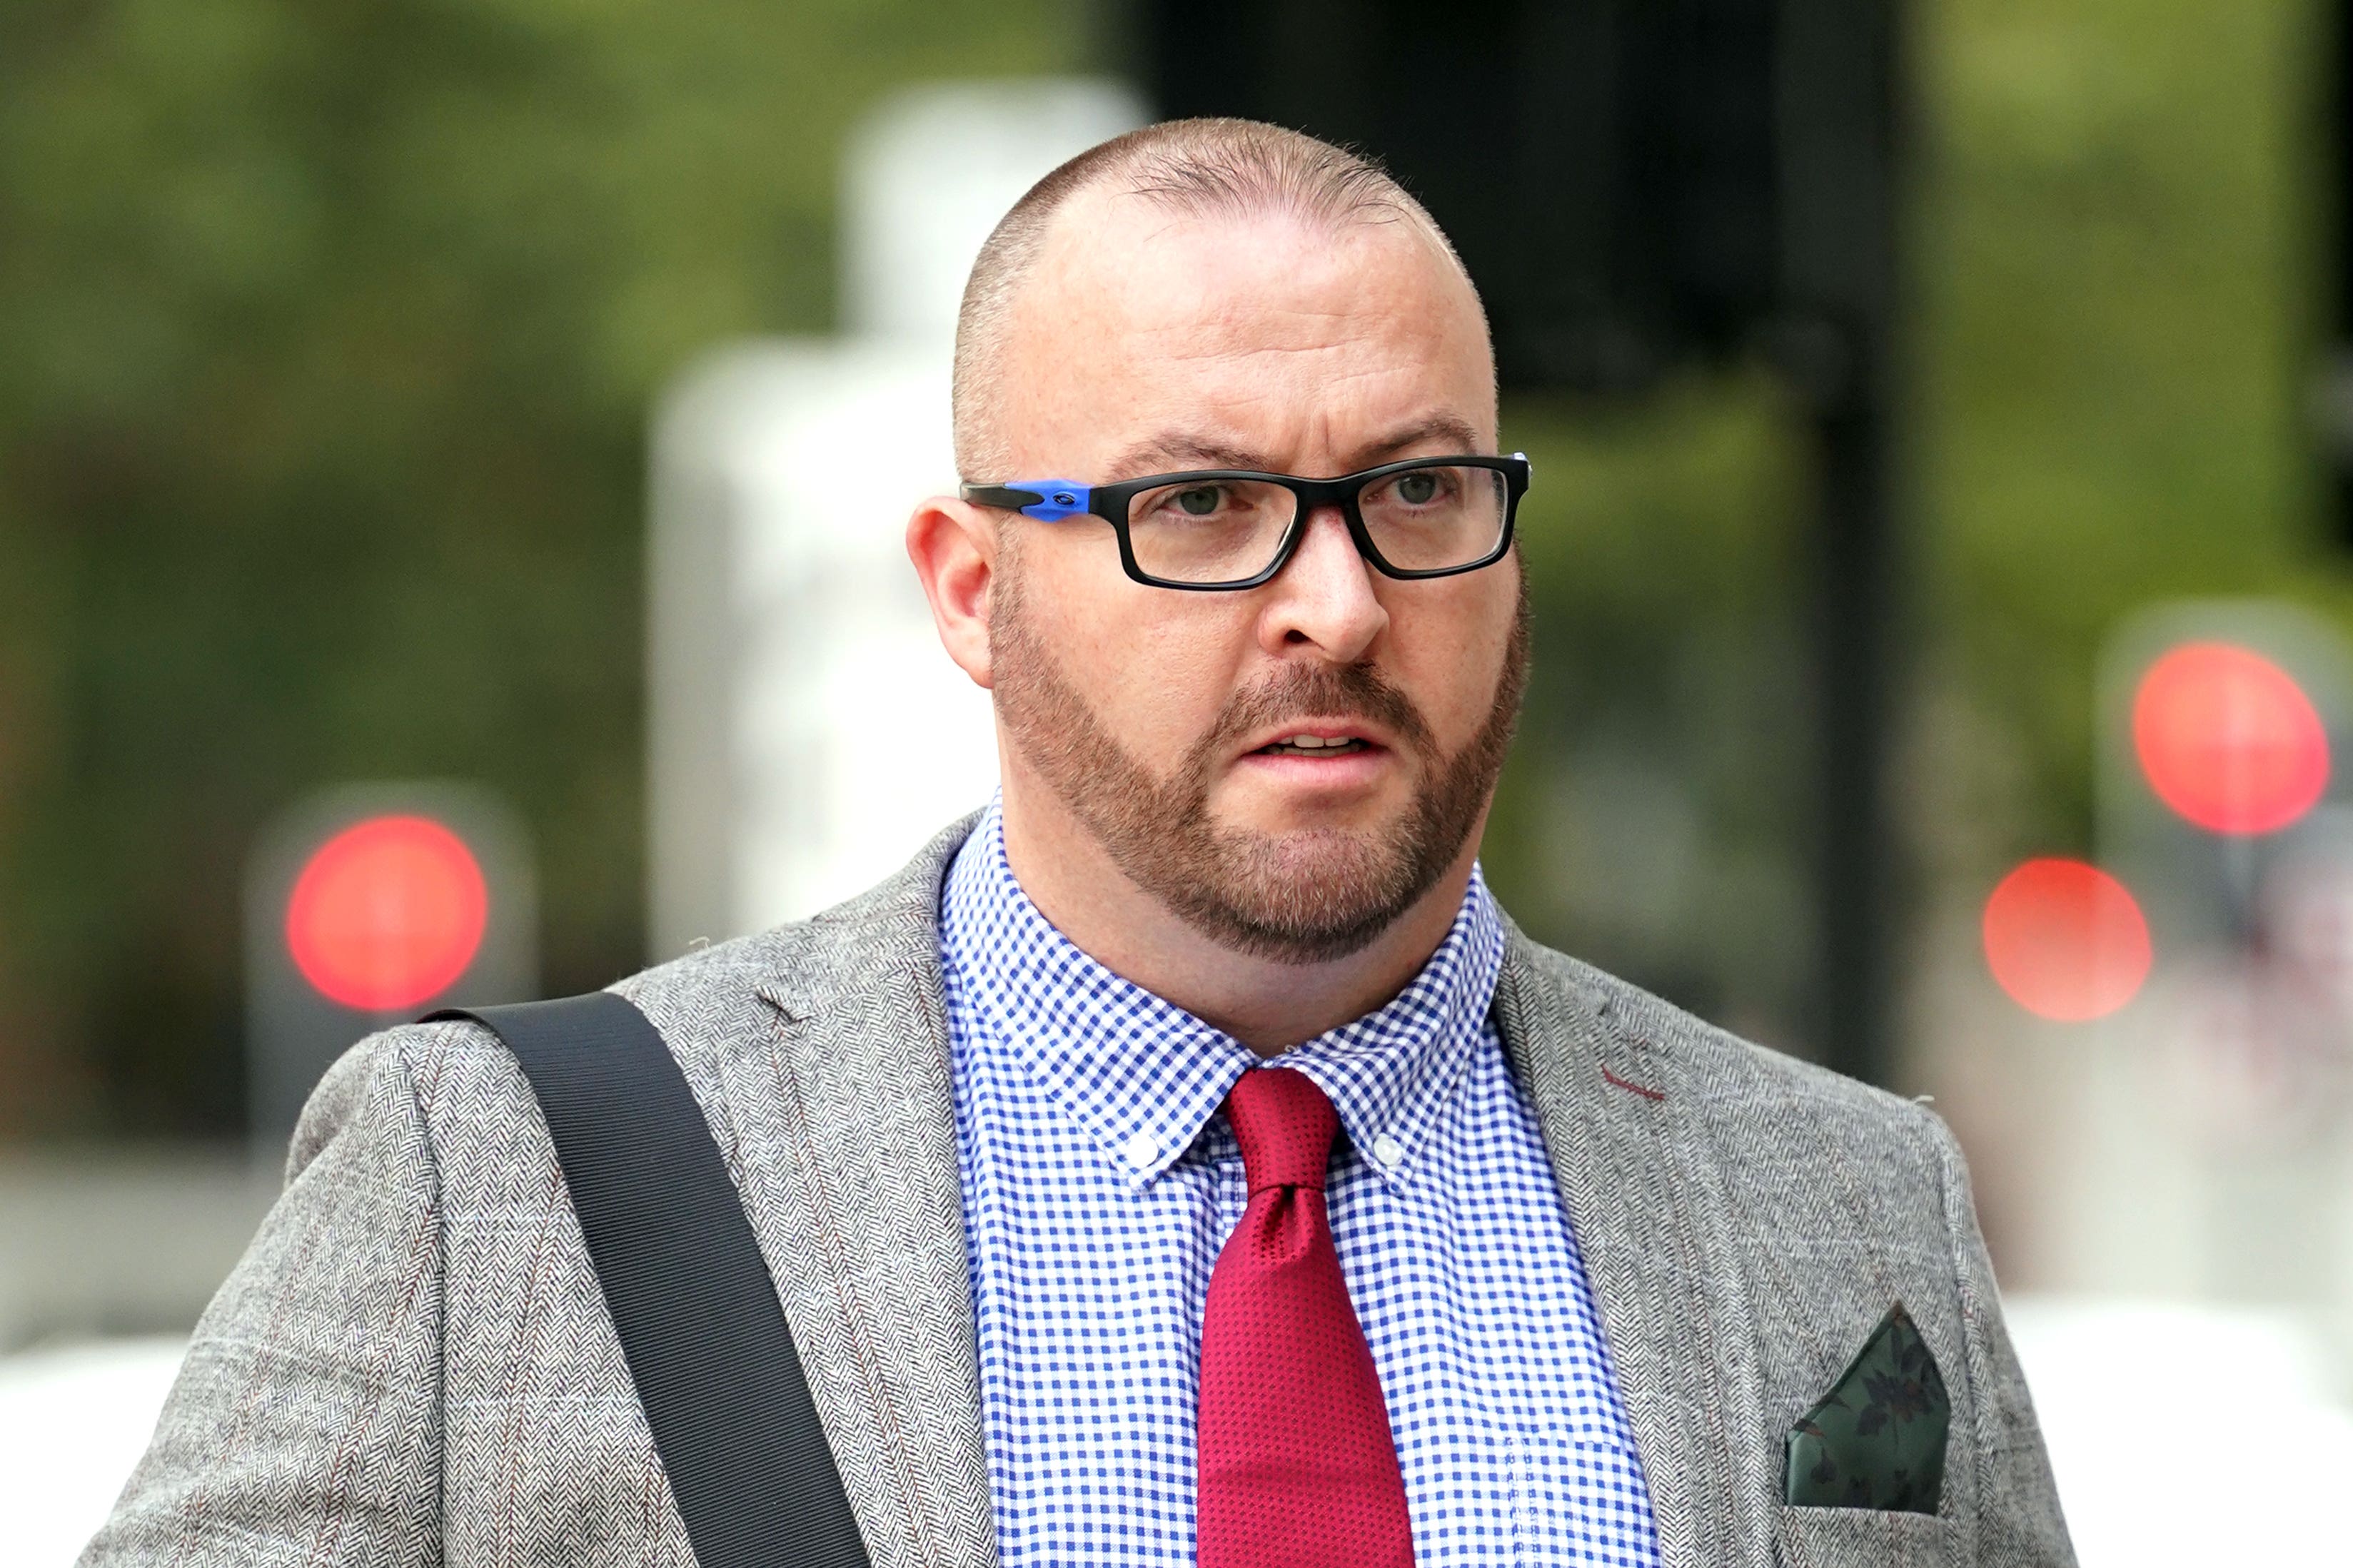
(953, 546)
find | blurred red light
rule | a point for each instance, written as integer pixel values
(2229, 740)
(2065, 940)
(388, 913)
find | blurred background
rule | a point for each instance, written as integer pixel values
(412, 588)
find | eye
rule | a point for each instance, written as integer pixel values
(1416, 489)
(1198, 500)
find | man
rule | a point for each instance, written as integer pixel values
(1186, 1159)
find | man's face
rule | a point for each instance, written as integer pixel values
(1160, 720)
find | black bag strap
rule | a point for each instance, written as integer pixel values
(700, 1324)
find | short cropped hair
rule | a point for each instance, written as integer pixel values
(1197, 168)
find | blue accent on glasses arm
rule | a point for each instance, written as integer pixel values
(1048, 500)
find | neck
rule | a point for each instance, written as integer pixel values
(1267, 1004)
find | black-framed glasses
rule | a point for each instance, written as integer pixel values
(1232, 528)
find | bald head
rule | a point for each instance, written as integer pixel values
(1206, 296)
(1115, 197)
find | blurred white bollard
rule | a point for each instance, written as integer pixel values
(807, 731)
(72, 1422)
(2188, 1433)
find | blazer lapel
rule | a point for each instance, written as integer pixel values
(1647, 1206)
(849, 1142)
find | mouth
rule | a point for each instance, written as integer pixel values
(1322, 744)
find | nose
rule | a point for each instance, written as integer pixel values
(1322, 597)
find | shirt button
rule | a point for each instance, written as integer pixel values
(1143, 1150)
(1387, 1152)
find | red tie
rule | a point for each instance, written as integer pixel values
(1297, 1466)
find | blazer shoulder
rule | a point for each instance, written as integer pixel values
(458, 1072)
(470, 1096)
(1709, 1063)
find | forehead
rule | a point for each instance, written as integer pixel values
(1298, 341)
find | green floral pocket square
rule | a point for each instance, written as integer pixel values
(1877, 1440)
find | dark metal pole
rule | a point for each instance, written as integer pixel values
(2332, 400)
(1839, 128)
(1857, 655)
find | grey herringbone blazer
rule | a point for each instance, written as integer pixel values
(413, 1364)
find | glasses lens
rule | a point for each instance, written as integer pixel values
(1425, 519)
(1210, 530)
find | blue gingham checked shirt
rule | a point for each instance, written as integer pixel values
(1100, 1183)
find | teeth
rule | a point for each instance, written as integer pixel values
(1313, 745)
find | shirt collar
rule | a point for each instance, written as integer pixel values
(1142, 1077)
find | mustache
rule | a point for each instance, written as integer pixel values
(1321, 691)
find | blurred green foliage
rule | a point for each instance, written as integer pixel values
(2120, 255)
(327, 335)
(327, 338)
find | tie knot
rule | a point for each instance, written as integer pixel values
(1285, 1126)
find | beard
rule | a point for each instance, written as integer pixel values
(1303, 897)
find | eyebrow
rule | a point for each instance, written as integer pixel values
(1176, 450)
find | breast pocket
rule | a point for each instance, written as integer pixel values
(1863, 1538)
